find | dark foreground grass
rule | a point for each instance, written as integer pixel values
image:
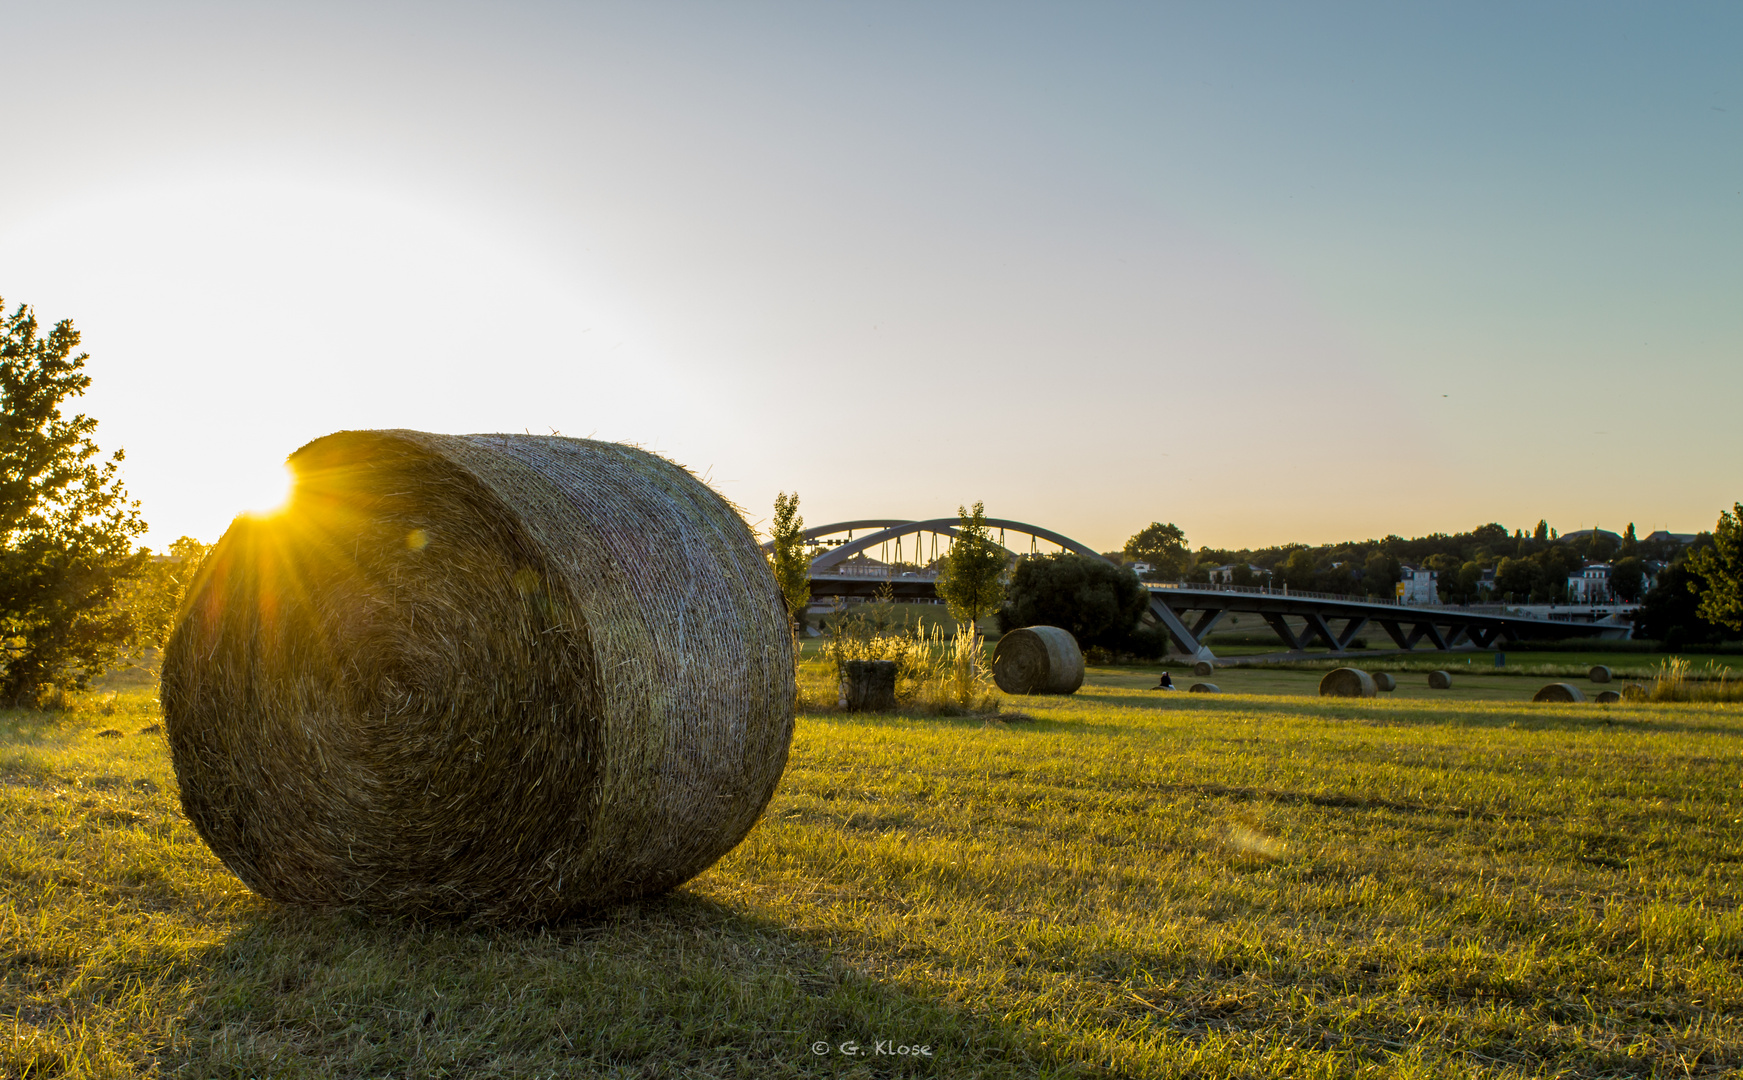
(1127, 884)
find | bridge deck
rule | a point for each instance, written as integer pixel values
(1191, 613)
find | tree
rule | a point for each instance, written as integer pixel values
(1300, 571)
(153, 596)
(1163, 547)
(1100, 603)
(1718, 570)
(1517, 580)
(66, 524)
(1670, 612)
(970, 579)
(787, 556)
(1380, 573)
(1628, 578)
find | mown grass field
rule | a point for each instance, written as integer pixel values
(1127, 884)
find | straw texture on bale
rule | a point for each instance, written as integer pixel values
(1608, 697)
(508, 676)
(1559, 691)
(1038, 660)
(1600, 674)
(1204, 688)
(1203, 668)
(1347, 682)
(1634, 692)
(1384, 681)
(1439, 680)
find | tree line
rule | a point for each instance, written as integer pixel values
(76, 595)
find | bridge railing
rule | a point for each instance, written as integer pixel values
(1308, 594)
(877, 572)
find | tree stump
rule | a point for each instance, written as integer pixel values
(868, 685)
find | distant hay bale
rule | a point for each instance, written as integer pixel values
(1600, 674)
(1204, 688)
(1634, 692)
(1383, 681)
(507, 676)
(1559, 691)
(1038, 660)
(1439, 680)
(1203, 668)
(1347, 682)
(1606, 697)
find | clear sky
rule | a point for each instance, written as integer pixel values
(1272, 272)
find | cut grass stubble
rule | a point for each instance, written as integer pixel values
(1130, 885)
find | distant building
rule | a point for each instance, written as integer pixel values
(1685, 539)
(1225, 574)
(1139, 568)
(1418, 586)
(1590, 584)
(1588, 534)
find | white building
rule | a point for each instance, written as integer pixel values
(1418, 586)
(1590, 584)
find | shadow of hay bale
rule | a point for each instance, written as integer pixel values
(509, 676)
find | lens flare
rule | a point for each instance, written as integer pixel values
(267, 494)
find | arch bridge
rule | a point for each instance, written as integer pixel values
(1332, 620)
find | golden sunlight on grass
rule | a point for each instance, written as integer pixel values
(1121, 884)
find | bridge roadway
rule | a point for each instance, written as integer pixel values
(1332, 621)
(1171, 605)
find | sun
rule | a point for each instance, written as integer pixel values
(267, 492)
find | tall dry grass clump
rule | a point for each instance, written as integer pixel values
(500, 675)
(937, 673)
(1678, 680)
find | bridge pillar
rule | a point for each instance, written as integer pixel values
(1186, 639)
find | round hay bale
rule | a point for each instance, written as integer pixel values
(1607, 697)
(1559, 691)
(1204, 688)
(1599, 674)
(1203, 668)
(508, 676)
(1439, 680)
(1634, 692)
(1383, 681)
(1038, 660)
(1347, 682)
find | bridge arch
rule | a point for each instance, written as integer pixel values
(889, 529)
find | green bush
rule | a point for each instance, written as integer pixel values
(1098, 602)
